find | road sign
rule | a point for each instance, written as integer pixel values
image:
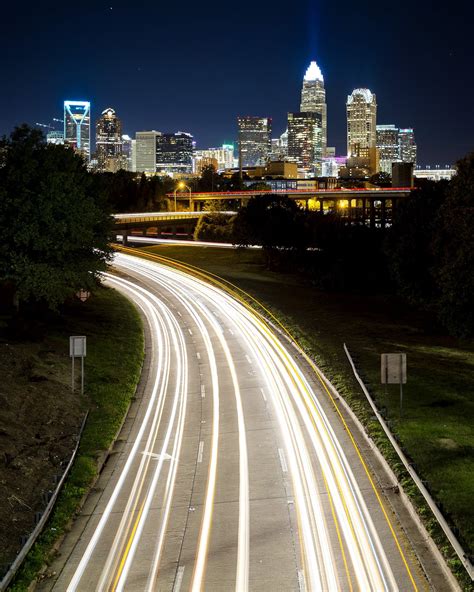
(394, 368)
(394, 371)
(77, 349)
(77, 346)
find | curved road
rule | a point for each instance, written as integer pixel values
(234, 472)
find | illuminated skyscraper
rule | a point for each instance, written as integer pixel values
(304, 141)
(129, 153)
(146, 151)
(174, 153)
(408, 148)
(361, 120)
(388, 147)
(77, 127)
(313, 99)
(108, 141)
(255, 141)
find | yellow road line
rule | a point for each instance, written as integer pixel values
(127, 549)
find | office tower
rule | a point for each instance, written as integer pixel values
(129, 153)
(408, 148)
(305, 141)
(361, 120)
(254, 140)
(146, 151)
(388, 147)
(77, 128)
(174, 153)
(55, 137)
(313, 98)
(108, 141)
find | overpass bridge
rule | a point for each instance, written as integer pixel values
(178, 225)
(372, 206)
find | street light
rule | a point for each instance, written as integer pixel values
(181, 185)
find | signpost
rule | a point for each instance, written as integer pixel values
(77, 349)
(394, 371)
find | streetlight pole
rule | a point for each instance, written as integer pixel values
(182, 185)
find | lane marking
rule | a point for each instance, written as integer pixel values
(203, 391)
(248, 359)
(179, 313)
(200, 451)
(284, 466)
(156, 456)
(301, 581)
(263, 394)
(198, 355)
(231, 332)
(190, 332)
(179, 579)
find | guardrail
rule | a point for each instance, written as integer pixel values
(463, 557)
(14, 567)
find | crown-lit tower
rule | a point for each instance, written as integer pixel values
(313, 98)
(77, 129)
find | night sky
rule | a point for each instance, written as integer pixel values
(194, 66)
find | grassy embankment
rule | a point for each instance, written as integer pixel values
(437, 430)
(115, 353)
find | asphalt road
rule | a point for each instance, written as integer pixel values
(233, 471)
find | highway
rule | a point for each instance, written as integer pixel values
(233, 470)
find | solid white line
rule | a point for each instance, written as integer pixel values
(263, 395)
(179, 579)
(284, 466)
(203, 391)
(200, 451)
(301, 582)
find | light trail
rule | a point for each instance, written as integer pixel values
(330, 532)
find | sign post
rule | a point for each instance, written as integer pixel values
(77, 349)
(394, 371)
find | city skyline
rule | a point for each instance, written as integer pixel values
(169, 86)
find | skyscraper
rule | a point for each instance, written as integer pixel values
(361, 120)
(77, 128)
(174, 153)
(304, 141)
(129, 153)
(146, 151)
(108, 141)
(254, 140)
(408, 148)
(388, 147)
(313, 99)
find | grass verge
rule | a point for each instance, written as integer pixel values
(437, 429)
(113, 365)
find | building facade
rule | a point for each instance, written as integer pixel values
(223, 155)
(254, 140)
(108, 141)
(174, 153)
(77, 126)
(145, 143)
(313, 99)
(55, 137)
(129, 153)
(408, 148)
(388, 147)
(305, 142)
(361, 121)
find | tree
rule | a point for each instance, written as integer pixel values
(409, 244)
(454, 250)
(53, 221)
(381, 179)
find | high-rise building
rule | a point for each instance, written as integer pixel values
(408, 148)
(77, 128)
(254, 140)
(146, 151)
(313, 98)
(129, 153)
(388, 147)
(361, 120)
(174, 153)
(108, 141)
(304, 141)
